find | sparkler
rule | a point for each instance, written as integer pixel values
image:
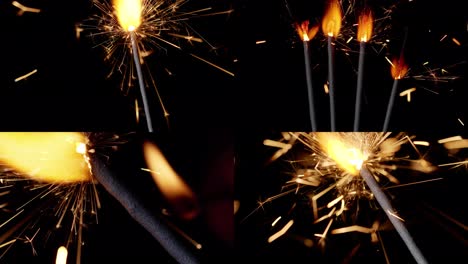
(129, 16)
(398, 71)
(306, 35)
(50, 175)
(331, 28)
(353, 166)
(141, 26)
(364, 34)
(65, 165)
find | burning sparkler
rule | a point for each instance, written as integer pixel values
(143, 25)
(60, 171)
(364, 35)
(331, 25)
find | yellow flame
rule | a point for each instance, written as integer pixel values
(399, 68)
(62, 254)
(365, 26)
(347, 157)
(331, 23)
(174, 189)
(55, 157)
(306, 33)
(128, 13)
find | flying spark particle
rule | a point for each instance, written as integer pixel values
(449, 139)
(260, 42)
(408, 93)
(456, 41)
(23, 8)
(281, 232)
(461, 122)
(26, 75)
(276, 221)
(443, 38)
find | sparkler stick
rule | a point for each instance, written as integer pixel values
(331, 27)
(306, 35)
(397, 223)
(141, 84)
(364, 33)
(138, 209)
(331, 83)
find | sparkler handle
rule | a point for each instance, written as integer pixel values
(397, 223)
(331, 82)
(390, 105)
(141, 83)
(357, 108)
(137, 208)
(310, 90)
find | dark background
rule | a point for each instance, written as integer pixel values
(208, 108)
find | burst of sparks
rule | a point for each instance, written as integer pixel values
(159, 25)
(326, 171)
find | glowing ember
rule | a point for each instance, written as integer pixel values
(331, 23)
(55, 157)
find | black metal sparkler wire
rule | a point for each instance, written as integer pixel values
(137, 208)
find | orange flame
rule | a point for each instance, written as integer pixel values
(331, 23)
(306, 33)
(365, 26)
(174, 189)
(56, 157)
(128, 13)
(399, 68)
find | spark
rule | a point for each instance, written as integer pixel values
(260, 42)
(23, 8)
(281, 232)
(26, 75)
(408, 92)
(456, 41)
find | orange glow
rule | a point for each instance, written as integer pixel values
(306, 33)
(331, 23)
(365, 26)
(55, 157)
(347, 157)
(174, 189)
(399, 68)
(128, 13)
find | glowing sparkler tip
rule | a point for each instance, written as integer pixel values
(128, 13)
(331, 23)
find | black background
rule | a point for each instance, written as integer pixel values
(210, 110)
